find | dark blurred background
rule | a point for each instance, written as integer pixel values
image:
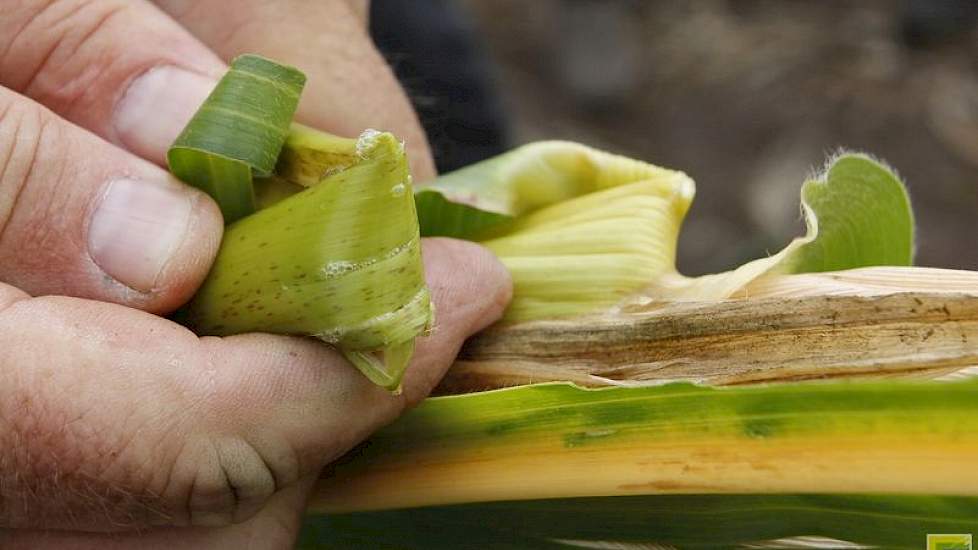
(746, 96)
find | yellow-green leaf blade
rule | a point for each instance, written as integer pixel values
(557, 441)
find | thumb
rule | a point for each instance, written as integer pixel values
(80, 217)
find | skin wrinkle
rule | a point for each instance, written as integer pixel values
(280, 453)
(82, 88)
(189, 506)
(46, 154)
(7, 161)
(78, 5)
(201, 460)
(158, 450)
(97, 25)
(20, 182)
(279, 480)
(212, 491)
(47, 143)
(233, 490)
(38, 19)
(277, 474)
(174, 430)
(184, 514)
(15, 36)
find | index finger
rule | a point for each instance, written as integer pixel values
(119, 68)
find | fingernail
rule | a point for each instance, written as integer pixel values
(156, 107)
(136, 228)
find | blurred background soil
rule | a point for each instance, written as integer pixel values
(746, 96)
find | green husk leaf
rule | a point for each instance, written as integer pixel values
(478, 201)
(584, 231)
(441, 216)
(273, 189)
(238, 132)
(309, 155)
(385, 371)
(579, 229)
(340, 261)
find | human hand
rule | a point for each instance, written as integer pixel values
(111, 418)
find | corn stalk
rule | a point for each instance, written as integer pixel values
(869, 322)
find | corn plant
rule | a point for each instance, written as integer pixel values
(325, 243)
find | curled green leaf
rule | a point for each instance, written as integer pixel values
(340, 261)
(238, 132)
(858, 215)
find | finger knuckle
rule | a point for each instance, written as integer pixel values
(33, 160)
(54, 48)
(21, 134)
(229, 482)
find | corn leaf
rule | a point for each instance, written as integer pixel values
(858, 215)
(238, 132)
(479, 200)
(655, 522)
(557, 440)
(444, 217)
(340, 261)
(309, 156)
(579, 229)
(583, 231)
(675, 464)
